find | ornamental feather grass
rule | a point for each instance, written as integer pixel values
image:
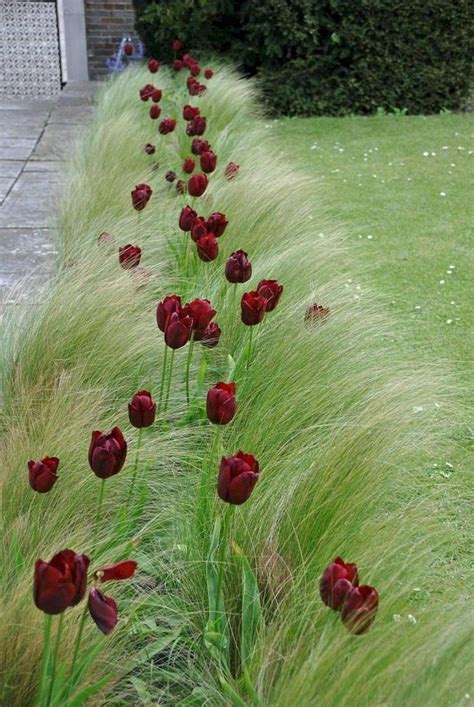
(330, 411)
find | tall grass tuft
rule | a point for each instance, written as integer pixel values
(330, 411)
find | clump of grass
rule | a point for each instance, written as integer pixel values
(329, 411)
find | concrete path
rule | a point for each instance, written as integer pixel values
(35, 139)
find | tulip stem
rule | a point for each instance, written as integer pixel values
(99, 509)
(250, 347)
(168, 387)
(228, 515)
(45, 657)
(188, 365)
(55, 657)
(77, 645)
(163, 376)
(135, 468)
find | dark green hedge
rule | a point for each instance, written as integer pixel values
(331, 56)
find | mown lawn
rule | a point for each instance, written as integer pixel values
(402, 187)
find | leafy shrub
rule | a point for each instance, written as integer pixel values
(330, 56)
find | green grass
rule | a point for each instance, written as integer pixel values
(331, 412)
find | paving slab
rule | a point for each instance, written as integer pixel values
(18, 141)
(31, 201)
(6, 184)
(56, 143)
(10, 168)
(42, 166)
(15, 153)
(71, 114)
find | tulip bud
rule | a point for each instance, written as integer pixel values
(167, 125)
(141, 409)
(336, 582)
(153, 66)
(221, 404)
(178, 329)
(181, 186)
(103, 610)
(238, 475)
(196, 126)
(207, 248)
(238, 267)
(196, 89)
(201, 312)
(177, 64)
(170, 304)
(197, 184)
(187, 218)
(42, 474)
(271, 290)
(208, 161)
(316, 313)
(201, 89)
(359, 608)
(156, 95)
(141, 196)
(199, 228)
(217, 223)
(128, 48)
(150, 149)
(188, 165)
(211, 336)
(188, 59)
(231, 170)
(107, 453)
(198, 146)
(61, 582)
(129, 256)
(146, 92)
(195, 69)
(208, 74)
(170, 176)
(155, 112)
(253, 308)
(116, 572)
(176, 44)
(190, 112)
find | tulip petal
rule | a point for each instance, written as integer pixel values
(117, 571)
(241, 487)
(103, 610)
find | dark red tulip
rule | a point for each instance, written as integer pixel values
(129, 256)
(217, 223)
(103, 610)
(177, 64)
(207, 247)
(188, 59)
(187, 218)
(336, 582)
(195, 88)
(316, 313)
(271, 290)
(238, 475)
(208, 74)
(208, 161)
(61, 582)
(201, 312)
(156, 95)
(359, 608)
(253, 308)
(190, 81)
(211, 336)
(150, 149)
(231, 170)
(142, 409)
(190, 112)
(107, 453)
(155, 112)
(176, 45)
(198, 146)
(116, 572)
(221, 404)
(195, 69)
(128, 48)
(141, 196)
(181, 186)
(199, 228)
(42, 474)
(196, 126)
(167, 125)
(153, 66)
(201, 89)
(146, 92)
(170, 176)
(188, 165)
(170, 304)
(238, 267)
(197, 184)
(178, 329)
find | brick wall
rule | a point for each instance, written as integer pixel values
(106, 22)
